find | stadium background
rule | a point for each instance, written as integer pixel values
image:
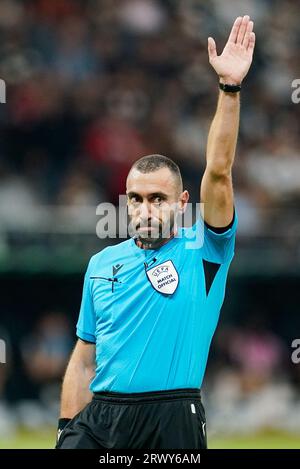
(92, 86)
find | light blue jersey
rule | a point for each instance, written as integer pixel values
(152, 313)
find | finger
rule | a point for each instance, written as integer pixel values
(247, 34)
(251, 44)
(242, 30)
(212, 48)
(235, 29)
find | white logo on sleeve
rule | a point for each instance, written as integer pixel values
(164, 278)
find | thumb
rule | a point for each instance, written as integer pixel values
(212, 49)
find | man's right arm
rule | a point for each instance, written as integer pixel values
(78, 376)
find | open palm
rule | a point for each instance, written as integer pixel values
(233, 64)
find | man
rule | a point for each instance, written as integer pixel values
(151, 304)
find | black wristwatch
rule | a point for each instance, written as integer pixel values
(230, 88)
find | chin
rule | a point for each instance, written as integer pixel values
(148, 235)
(147, 239)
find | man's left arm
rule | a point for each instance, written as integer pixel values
(231, 66)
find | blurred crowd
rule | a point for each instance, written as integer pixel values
(30, 380)
(94, 84)
(252, 383)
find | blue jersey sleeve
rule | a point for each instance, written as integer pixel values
(214, 247)
(86, 325)
(219, 247)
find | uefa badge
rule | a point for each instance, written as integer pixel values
(164, 278)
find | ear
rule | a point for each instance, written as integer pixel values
(183, 201)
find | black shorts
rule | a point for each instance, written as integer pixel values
(172, 419)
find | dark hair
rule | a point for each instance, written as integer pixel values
(152, 163)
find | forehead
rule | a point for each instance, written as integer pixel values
(161, 180)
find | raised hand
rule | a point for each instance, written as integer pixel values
(233, 64)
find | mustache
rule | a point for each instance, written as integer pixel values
(148, 224)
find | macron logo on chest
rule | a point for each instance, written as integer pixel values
(164, 278)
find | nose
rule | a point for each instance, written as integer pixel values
(145, 211)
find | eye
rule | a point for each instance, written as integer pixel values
(157, 200)
(134, 200)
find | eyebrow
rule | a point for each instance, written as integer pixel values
(150, 196)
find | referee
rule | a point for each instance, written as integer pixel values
(151, 304)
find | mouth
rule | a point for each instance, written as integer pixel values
(148, 232)
(146, 228)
